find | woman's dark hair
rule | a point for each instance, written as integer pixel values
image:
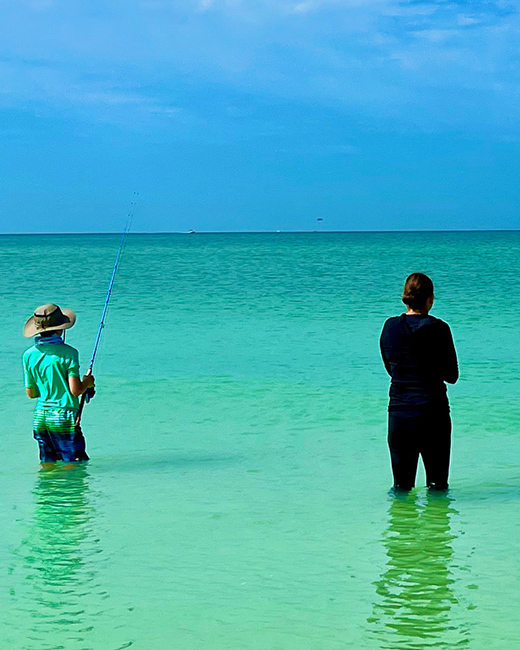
(417, 289)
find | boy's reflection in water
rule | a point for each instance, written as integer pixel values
(416, 588)
(61, 579)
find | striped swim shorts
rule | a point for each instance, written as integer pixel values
(57, 436)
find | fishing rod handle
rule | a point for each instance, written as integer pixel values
(77, 421)
(82, 402)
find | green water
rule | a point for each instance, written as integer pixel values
(237, 493)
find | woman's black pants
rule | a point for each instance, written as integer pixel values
(427, 434)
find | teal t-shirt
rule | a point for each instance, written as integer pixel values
(47, 368)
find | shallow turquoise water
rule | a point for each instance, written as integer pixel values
(237, 493)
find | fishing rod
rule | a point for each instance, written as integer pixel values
(86, 396)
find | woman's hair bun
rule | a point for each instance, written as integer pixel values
(417, 289)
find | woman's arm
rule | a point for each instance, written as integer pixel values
(450, 366)
(436, 352)
(383, 345)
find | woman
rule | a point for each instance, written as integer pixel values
(419, 356)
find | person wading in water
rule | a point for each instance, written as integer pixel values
(51, 373)
(419, 355)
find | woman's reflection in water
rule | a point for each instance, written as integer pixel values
(416, 589)
(58, 555)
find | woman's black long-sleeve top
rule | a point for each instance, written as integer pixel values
(419, 355)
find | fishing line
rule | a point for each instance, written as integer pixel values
(102, 321)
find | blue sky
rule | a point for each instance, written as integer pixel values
(259, 114)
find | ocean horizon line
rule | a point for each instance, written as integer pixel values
(259, 232)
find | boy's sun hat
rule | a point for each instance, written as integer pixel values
(49, 318)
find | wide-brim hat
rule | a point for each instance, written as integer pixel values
(49, 318)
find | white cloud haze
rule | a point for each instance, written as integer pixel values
(384, 57)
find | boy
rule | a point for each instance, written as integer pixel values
(51, 372)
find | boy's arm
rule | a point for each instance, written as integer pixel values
(30, 385)
(79, 386)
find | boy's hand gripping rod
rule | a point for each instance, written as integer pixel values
(105, 309)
